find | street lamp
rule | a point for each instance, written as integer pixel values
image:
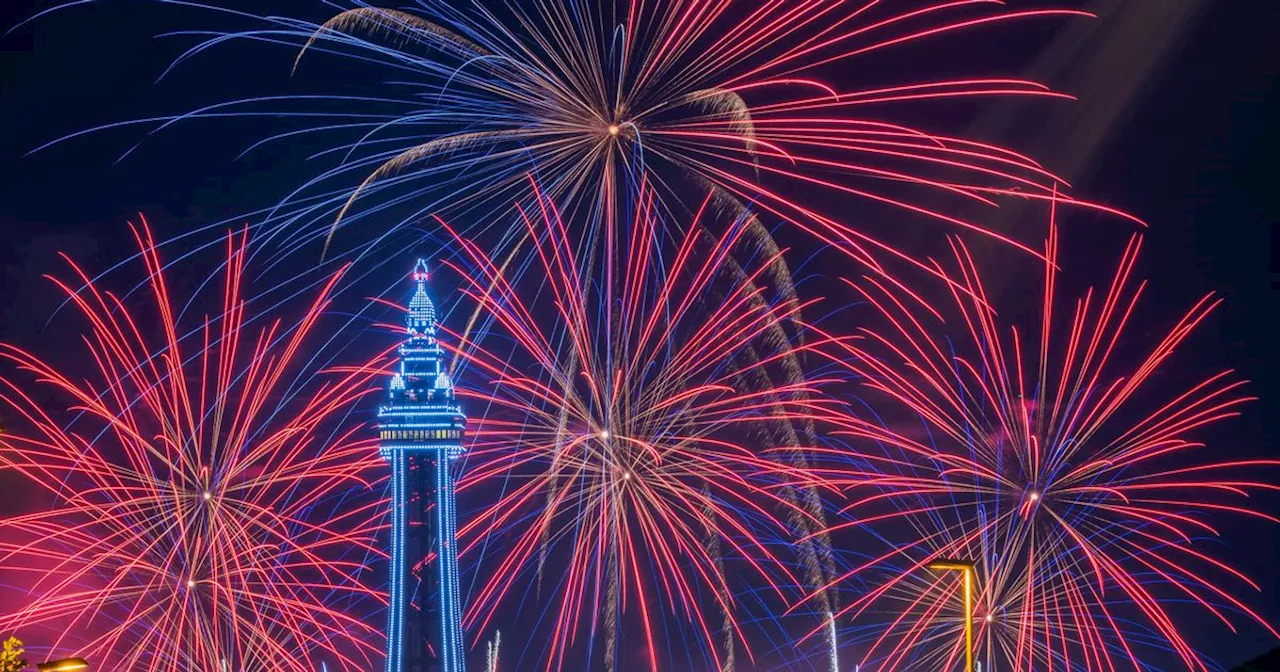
(965, 567)
(64, 665)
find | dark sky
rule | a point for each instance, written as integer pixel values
(1194, 155)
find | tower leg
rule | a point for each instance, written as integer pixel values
(395, 602)
(451, 654)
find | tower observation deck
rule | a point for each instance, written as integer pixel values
(421, 428)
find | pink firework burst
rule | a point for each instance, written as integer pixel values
(623, 424)
(208, 506)
(1060, 464)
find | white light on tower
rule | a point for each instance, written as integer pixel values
(831, 624)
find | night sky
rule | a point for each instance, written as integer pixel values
(1188, 143)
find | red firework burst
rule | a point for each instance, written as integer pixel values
(1059, 467)
(195, 480)
(624, 423)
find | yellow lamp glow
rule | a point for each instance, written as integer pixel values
(966, 568)
(64, 665)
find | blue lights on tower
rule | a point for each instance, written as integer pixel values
(421, 430)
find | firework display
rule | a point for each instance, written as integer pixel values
(1050, 456)
(211, 505)
(628, 406)
(725, 409)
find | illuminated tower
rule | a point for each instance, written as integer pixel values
(421, 428)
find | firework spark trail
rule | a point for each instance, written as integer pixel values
(1053, 462)
(727, 97)
(625, 419)
(207, 511)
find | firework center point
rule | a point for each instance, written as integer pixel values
(614, 129)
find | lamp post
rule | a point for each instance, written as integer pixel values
(64, 665)
(966, 568)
